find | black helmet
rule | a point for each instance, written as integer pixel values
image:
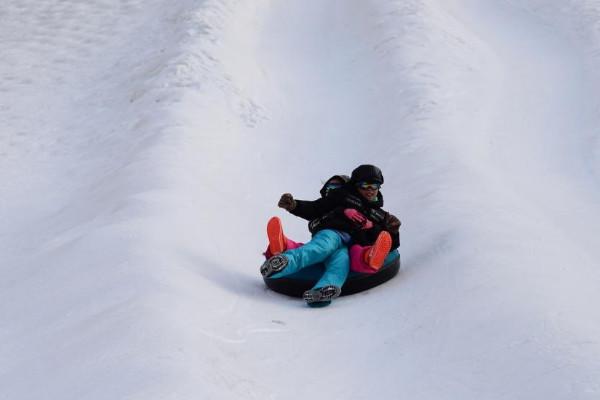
(367, 173)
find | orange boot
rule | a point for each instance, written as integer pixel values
(376, 255)
(275, 235)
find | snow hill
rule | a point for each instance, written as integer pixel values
(144, 144)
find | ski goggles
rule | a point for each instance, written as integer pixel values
(368, 186)
(330, 186)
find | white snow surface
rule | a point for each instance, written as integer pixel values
(144, 145)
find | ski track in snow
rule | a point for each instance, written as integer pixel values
(143, 145)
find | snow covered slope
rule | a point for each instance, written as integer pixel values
(143, 145)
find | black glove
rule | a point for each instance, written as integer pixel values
(287, 202)
(392, 223)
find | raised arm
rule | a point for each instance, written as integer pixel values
(308, 210)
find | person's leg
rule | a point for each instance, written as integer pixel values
(379, 251)
(337, 267)
(289, 245)
(318, 249)
(275, 236)
(357, 259)
(278, 242)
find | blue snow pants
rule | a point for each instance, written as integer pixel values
(327, 247)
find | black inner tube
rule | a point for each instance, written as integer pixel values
(296, 285)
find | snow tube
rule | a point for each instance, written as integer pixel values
(295, 285)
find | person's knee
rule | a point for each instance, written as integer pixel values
(342, 254)
(340, 259)
(330, 236)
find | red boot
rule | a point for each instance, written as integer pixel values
(376, 255)
(275, 235)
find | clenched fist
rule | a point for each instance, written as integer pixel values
(287, 202)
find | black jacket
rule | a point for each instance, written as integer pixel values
(328, 213)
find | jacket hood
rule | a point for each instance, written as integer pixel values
(343, 178)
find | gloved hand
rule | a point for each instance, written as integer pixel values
(287, 202)
(392, 223)
(359, 219)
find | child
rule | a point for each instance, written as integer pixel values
(278, 242)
